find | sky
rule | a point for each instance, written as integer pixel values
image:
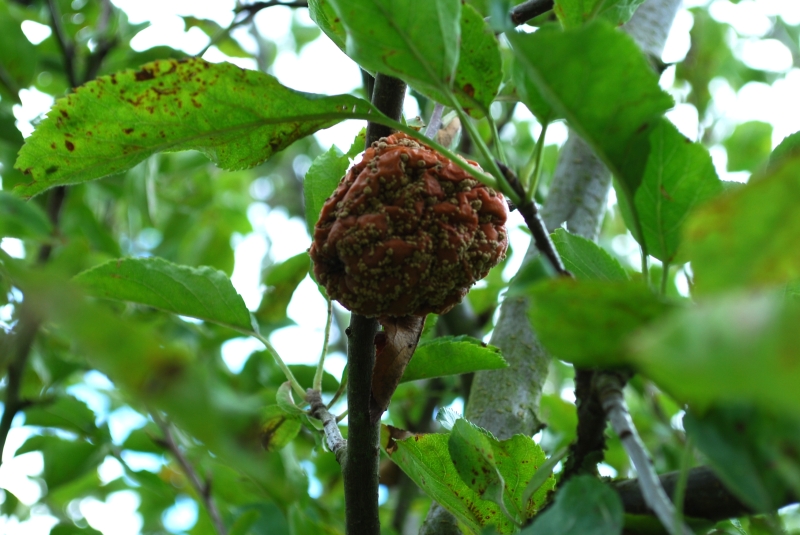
(322, 68)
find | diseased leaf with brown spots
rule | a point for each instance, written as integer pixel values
(278, 428)
(238, 118)
(427, 459)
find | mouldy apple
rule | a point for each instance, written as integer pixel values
(407, 232)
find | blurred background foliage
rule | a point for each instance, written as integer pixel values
(85, 457)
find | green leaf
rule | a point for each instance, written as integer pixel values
(789, 147)
(593, 335)
(321, 180)
(286, 402)
(325, 173)
(619, 12)
(65, 412)
(751, 451)
(245, 521)
(749, 146)
(72, 529)
(278, 428)
(304, 373)
(573, 13)
(480, 69)
(709, 52)
(286, 270)
(679, 176)
(19, 66)
(20, 219)
(583, 506)
(527, 91)
(323, 14)
(617, 101)
(426, 460)
(414, 41)
(472, 454)
(64, 460)
(500, 470)
(741, 348)
(585, 259)
(202, 293)
(227, 45)
(449, 355)
(281, 281)
(238, 118)
(748, 237)
(143, 439)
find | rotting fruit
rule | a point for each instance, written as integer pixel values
(407, 232)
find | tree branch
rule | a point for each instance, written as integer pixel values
(19, 347)
(580, 188)
(9, 83)
(526, 11)
(67, 48)
(333, 436)
(104, 44)
(201, 487)
(535, 223)
(706, 496)
(587, 450)
(609, 387)
(363, 455)
(363, 452)
(250, 12)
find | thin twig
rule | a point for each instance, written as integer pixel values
(705, 496)
(333, 436)
(250, 12)
(279, 361)
(530, 10)
(317, 384)
(339, 391)
(436, 121)
(20, 347)
(201, 487)
(609, 387)
(104, 44)
(9, 83)
(67, 48)
(530, 213)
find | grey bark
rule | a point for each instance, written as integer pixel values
(506, 402)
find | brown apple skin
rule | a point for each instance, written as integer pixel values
(407, 232)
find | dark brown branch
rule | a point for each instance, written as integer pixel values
(258, 6)
(67, 48)
(21, 343)
(104, 44)
(587, 450)
(530, 10)
(706, 496)
(18, 347)
(385, 93)
(530, 213)
(363, 453)
(9, 83)
(200, 486)
(250, 12)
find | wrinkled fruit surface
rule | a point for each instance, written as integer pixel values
(407, 232)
